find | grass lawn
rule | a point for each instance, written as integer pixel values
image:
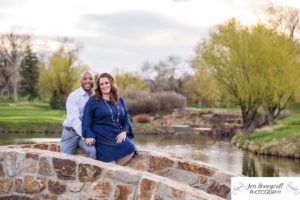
(214, 110)
(28, 116)
(283, 139)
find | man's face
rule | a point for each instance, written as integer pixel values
(87, 82)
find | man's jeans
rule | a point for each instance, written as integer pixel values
(69, 142)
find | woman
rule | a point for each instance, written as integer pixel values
(106, 119)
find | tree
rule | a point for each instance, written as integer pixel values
(62, 73)
(228, 53)
(203, 88)
(283, 84)
(4, 74)
(251, 64)
(12, 48)
(55, 100)
(282, 79)
(282, 19)
(164, 75)
(30, 74)
(128, 81)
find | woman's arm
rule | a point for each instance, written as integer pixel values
(87, 119)
(126, 120)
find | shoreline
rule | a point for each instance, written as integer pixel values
(286, 148)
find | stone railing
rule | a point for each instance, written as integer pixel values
(38, 174)
(193, 174)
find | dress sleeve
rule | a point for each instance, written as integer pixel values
(88, 118)
(126, 120)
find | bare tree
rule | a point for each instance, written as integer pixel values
(283, 19)
(12, 48)
(164, 75)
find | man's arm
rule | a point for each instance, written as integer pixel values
(73, 114)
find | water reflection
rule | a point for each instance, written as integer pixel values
(258, 165)
(217, 152)
(28, 138)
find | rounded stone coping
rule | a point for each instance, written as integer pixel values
(196, 174)
(55, 147)
(189, 162)
(120, 172)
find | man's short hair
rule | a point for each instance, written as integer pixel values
(82, 74)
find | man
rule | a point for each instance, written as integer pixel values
(71, 134)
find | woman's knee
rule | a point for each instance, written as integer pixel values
(125, 159)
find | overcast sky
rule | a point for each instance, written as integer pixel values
(126, 33)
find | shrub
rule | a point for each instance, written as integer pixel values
(170, 100)
(141, 102)
(55, 100)
(142, 118)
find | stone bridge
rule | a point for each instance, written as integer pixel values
(40, 172)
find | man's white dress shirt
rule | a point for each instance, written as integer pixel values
(75, 107)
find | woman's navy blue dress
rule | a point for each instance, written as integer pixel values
(97, 123)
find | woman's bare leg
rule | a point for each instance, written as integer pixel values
(125, 159)
(114, 162)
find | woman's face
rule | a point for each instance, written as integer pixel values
(105, 86)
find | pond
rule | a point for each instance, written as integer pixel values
(215, 151)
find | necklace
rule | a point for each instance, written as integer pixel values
(111, 113)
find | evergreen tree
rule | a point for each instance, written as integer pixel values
(55, 100)
(30, 74)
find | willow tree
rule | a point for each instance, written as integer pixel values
(284, 67)
(282, 74)
(62, 73)
(128, 82)
(242, 59)
(203, 88)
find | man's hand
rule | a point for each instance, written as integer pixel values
(89, 141)
(121, 137)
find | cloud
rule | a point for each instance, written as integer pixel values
(11, 3)
(135, 37)
(138, 26)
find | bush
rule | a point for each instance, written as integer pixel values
(55, 100)
(142, 118)
(141, 102)
(170, 100)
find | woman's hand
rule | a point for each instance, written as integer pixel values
(121, 137)
(89, 141)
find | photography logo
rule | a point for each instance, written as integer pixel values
(265, 188)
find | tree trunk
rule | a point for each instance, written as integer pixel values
(270, 119)
(248, 122)
(246, 132)
(15, 92)
(13, 85)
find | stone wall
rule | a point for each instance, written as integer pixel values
(195, 174)
(27, 173)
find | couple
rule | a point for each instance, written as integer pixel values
(98, 121)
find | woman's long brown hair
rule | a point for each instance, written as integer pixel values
(114, 92)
